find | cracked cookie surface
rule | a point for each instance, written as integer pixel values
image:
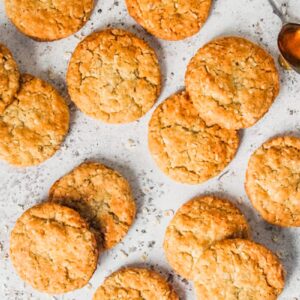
(52, 249)
(34, 125)
(232, 82)
(102, 197)
(184, 147)
(196, 226)
(9, 77)
(273, 181)
(238, 269)
(170, 19)
(48, 20)
(114, 76)
(137, 284)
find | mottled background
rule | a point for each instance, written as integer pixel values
(124, 147)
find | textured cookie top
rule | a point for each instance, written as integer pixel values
(114, 76)
(102, 196)
(52, 249)
(33, 126)
(273, 180)
(137, 284)
(184, 147)
(238, 269)
(232, 82)
(170, 19)
(9, 77)
(48, 20)
(197, 225)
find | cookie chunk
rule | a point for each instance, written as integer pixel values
(232, 82)
(135, 283)
(196, 226)
(34, 125)
(48, 20)
(184, 147)
(114, 76)
(102, 197)
(238, 269)
(273, 179)
(52, 249)
(9, 77)
(170, 19)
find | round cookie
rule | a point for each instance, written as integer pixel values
(102, 197)
(184, 147)
(196, 226)
(9, 77)
(135, 283)
(34, 125)
(114, 76)
(48, 20)
(273, 179)
(170, 19)
(52, 249)
(238, 269)
(232, 82)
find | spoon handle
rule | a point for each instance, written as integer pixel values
(277, 11)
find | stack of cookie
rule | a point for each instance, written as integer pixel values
(54, 246)
(230, 84)
(34, 118)
(208, 242)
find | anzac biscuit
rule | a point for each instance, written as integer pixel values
(196, 226)
(102, 197)
(238, 269)
(114, 76)
(9, 77)
(184, 147)
(232, 82)
(170, 19)
(137, 284)
(48, 20)
(34, 125)
(52, 249)
(273, 181)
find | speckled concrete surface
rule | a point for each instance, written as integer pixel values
(125, 147)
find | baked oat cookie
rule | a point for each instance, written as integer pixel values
(48, 20)
(114, 76)
(238, 269)
(9, 77)
(102, 197)
(34, 125)
(196, 226)
(232, 82)
(170, 19)
(137, 284)
(273, 180)
(184, 147)
(52, 249)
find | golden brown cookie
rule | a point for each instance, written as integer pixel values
(238, 269)
(48, 20)
(52, 249)
(232, 82)
(9, 77)
(273, 181)
(34, 125)
(114, 76)
(196, 226)
(184, 147)
(170, 19)
(137, 284)
(102, 197)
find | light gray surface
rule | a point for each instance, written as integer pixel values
(125, 147)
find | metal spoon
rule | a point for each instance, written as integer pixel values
(288, 39)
